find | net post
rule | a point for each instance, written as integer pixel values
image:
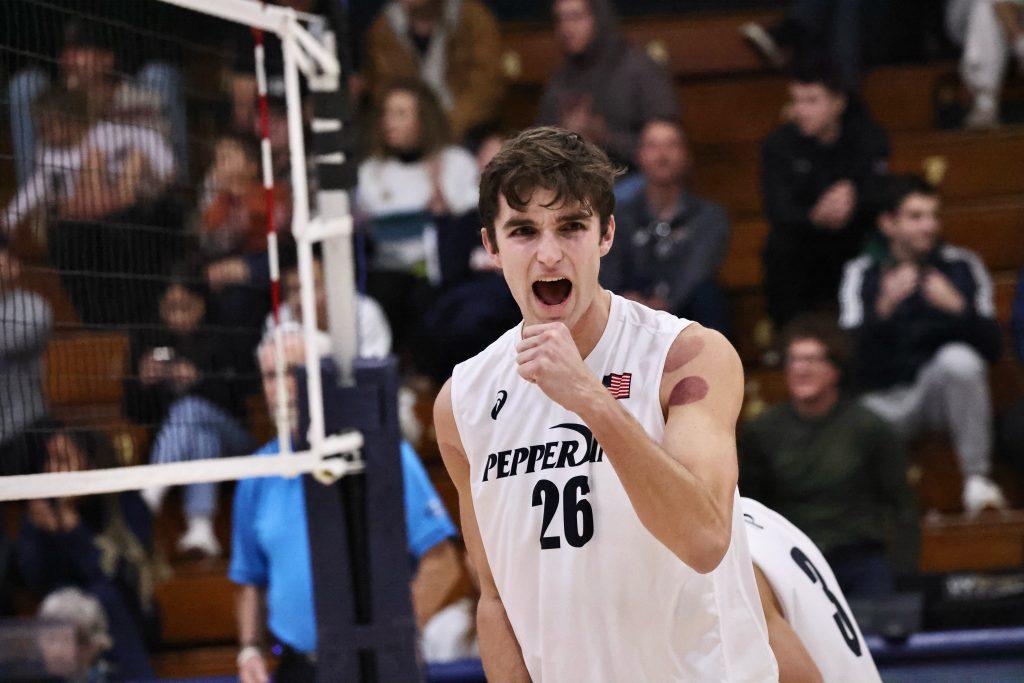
(366, 631)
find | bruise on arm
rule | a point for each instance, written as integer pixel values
(683, 352)
(688, 390)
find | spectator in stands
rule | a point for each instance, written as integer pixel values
(61, 123)
(923, 317)
(813, 29)
(184, 384)
(669, 243)
(87, 63)
(413, 186)
(75, 654)
(111, 213)
(233, 206)
(821, 174)
(475, 304)
(373, 329)
(453, 46)
(270, 560)
(26, 323)
(828, 464)
(991, 32)
(607, 89)
(232, 224)
(100, 544)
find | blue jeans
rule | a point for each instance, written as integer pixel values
(195, 429)
(159, 77)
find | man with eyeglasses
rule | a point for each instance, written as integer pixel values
(827, 464)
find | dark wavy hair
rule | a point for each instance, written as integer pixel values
(553, 159)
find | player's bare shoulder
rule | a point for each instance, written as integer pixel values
(447, 431)
(701, 367)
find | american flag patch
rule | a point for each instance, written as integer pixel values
(618, 384)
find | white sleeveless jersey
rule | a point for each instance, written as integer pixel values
(591, 595)
(809, 594)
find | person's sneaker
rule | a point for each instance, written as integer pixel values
(762, 41)
(981, 493)
(984, 114)
(199, 539)
(153, 497)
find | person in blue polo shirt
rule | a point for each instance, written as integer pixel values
(271, 562)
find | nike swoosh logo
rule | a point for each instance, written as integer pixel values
(498, 404)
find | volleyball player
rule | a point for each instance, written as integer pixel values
(594, 453)
(813, 632)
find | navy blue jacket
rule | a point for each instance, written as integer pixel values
(892, 351)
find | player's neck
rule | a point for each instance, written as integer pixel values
(662, 199)
(818, 405)
(590, 327)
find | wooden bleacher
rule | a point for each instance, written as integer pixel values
(85, 374)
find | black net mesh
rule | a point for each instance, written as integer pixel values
(134, 284)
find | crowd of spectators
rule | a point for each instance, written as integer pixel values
(885, 330)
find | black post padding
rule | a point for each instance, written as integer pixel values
(338, 176)
(366, 631)
(329, 142)
(331, 104)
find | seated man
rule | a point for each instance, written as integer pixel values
(821, 175)
(827, 464)
(271, 562)
(670, 242)
(923, 317)
(810, 627)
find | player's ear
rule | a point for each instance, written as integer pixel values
(608, 237)
(492, 248)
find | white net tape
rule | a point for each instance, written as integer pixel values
(340, 457)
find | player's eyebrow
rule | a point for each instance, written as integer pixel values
(574, 216)
(513, 223)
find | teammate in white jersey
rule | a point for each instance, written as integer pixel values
(813, 632)
(594, 453)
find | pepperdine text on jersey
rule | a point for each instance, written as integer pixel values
(545, 456)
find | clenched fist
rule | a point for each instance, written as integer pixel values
(547, 356)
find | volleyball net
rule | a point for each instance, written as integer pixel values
(169, 252)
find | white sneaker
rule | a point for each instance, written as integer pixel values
(199, 538)
(153, 497)
(981, 493)
(762, 41)
(984, 114)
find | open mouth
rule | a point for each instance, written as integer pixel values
(553, 291)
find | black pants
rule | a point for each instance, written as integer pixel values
(803, 275)
(294, 667)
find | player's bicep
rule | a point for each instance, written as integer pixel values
(454, 456)
(701, 394)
